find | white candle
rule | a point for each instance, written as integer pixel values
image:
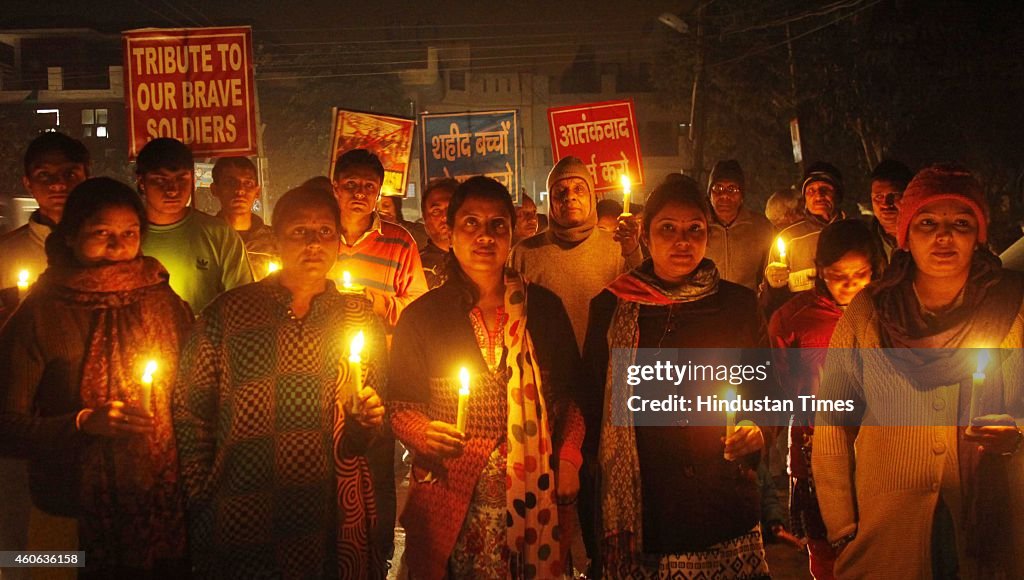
(355, 367)
(346, 280)
(781, 245)
(730, 415)
(978, 384)
(626, 189)
(146, 393)
(463, 413)
(22, 283)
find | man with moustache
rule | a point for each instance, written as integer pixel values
(573, 257)
(434, 253)
(526, 220)
(738, 239)
(203, 255)
(823, 192)
(236, 185)
(888, 181)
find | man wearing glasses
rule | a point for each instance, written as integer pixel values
(236, 186)
(738, 238)
(888, 181)
(202, 253)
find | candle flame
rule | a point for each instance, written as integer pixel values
(346, 280)
(147, 374)
(626, 185)
(273, 267)
(357, 347)
(781, 245)
(23, 279)
(464, 380)
(983, 358)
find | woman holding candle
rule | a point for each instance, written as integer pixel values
(670, 500)
(930, 492)
(272, 452)
(848, 258)
(103, 468)
(483, 502)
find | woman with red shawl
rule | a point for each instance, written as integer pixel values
(73, 400)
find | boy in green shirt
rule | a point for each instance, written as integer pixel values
(202, 253)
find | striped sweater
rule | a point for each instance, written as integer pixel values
(385, 260)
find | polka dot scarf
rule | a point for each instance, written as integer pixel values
(531, 513)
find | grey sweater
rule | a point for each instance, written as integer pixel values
(576, 273)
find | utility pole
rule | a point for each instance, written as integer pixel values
(698, 116)
(792, 88)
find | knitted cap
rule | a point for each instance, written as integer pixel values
(942, 181)
(570, 167)
(728, 169)
(821, 171)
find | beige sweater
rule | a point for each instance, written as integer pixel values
(884, 482)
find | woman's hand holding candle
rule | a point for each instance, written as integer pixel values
(996, 434)
(114, 419)
(370, 407)
(745, 439)
(443, 440)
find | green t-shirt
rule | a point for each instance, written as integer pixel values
(203, 255)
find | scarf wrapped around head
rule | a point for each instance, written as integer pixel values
(532, 512)
(132, 515)
(567, 168)
(621, 498)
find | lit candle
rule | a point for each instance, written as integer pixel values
(781, 245)
(273, 267)
(460, 419)
(978, 384)
(22, 283)
(146, 394)
(626, 188)
(730, 415)
(355, 366)
(349, 287)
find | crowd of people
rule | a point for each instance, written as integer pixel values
(187, 395)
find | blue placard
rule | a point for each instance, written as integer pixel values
(462, 145)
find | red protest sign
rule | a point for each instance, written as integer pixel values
(604, 136)
(193, 84)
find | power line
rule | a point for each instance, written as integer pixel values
(378, 73)
(824, 11)
(328, 58)
(172, 21)
(797, 37)
(536, 35)
(185, 16)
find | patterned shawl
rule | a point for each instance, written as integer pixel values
(132, 515)
(532, 513)
(621, 500)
